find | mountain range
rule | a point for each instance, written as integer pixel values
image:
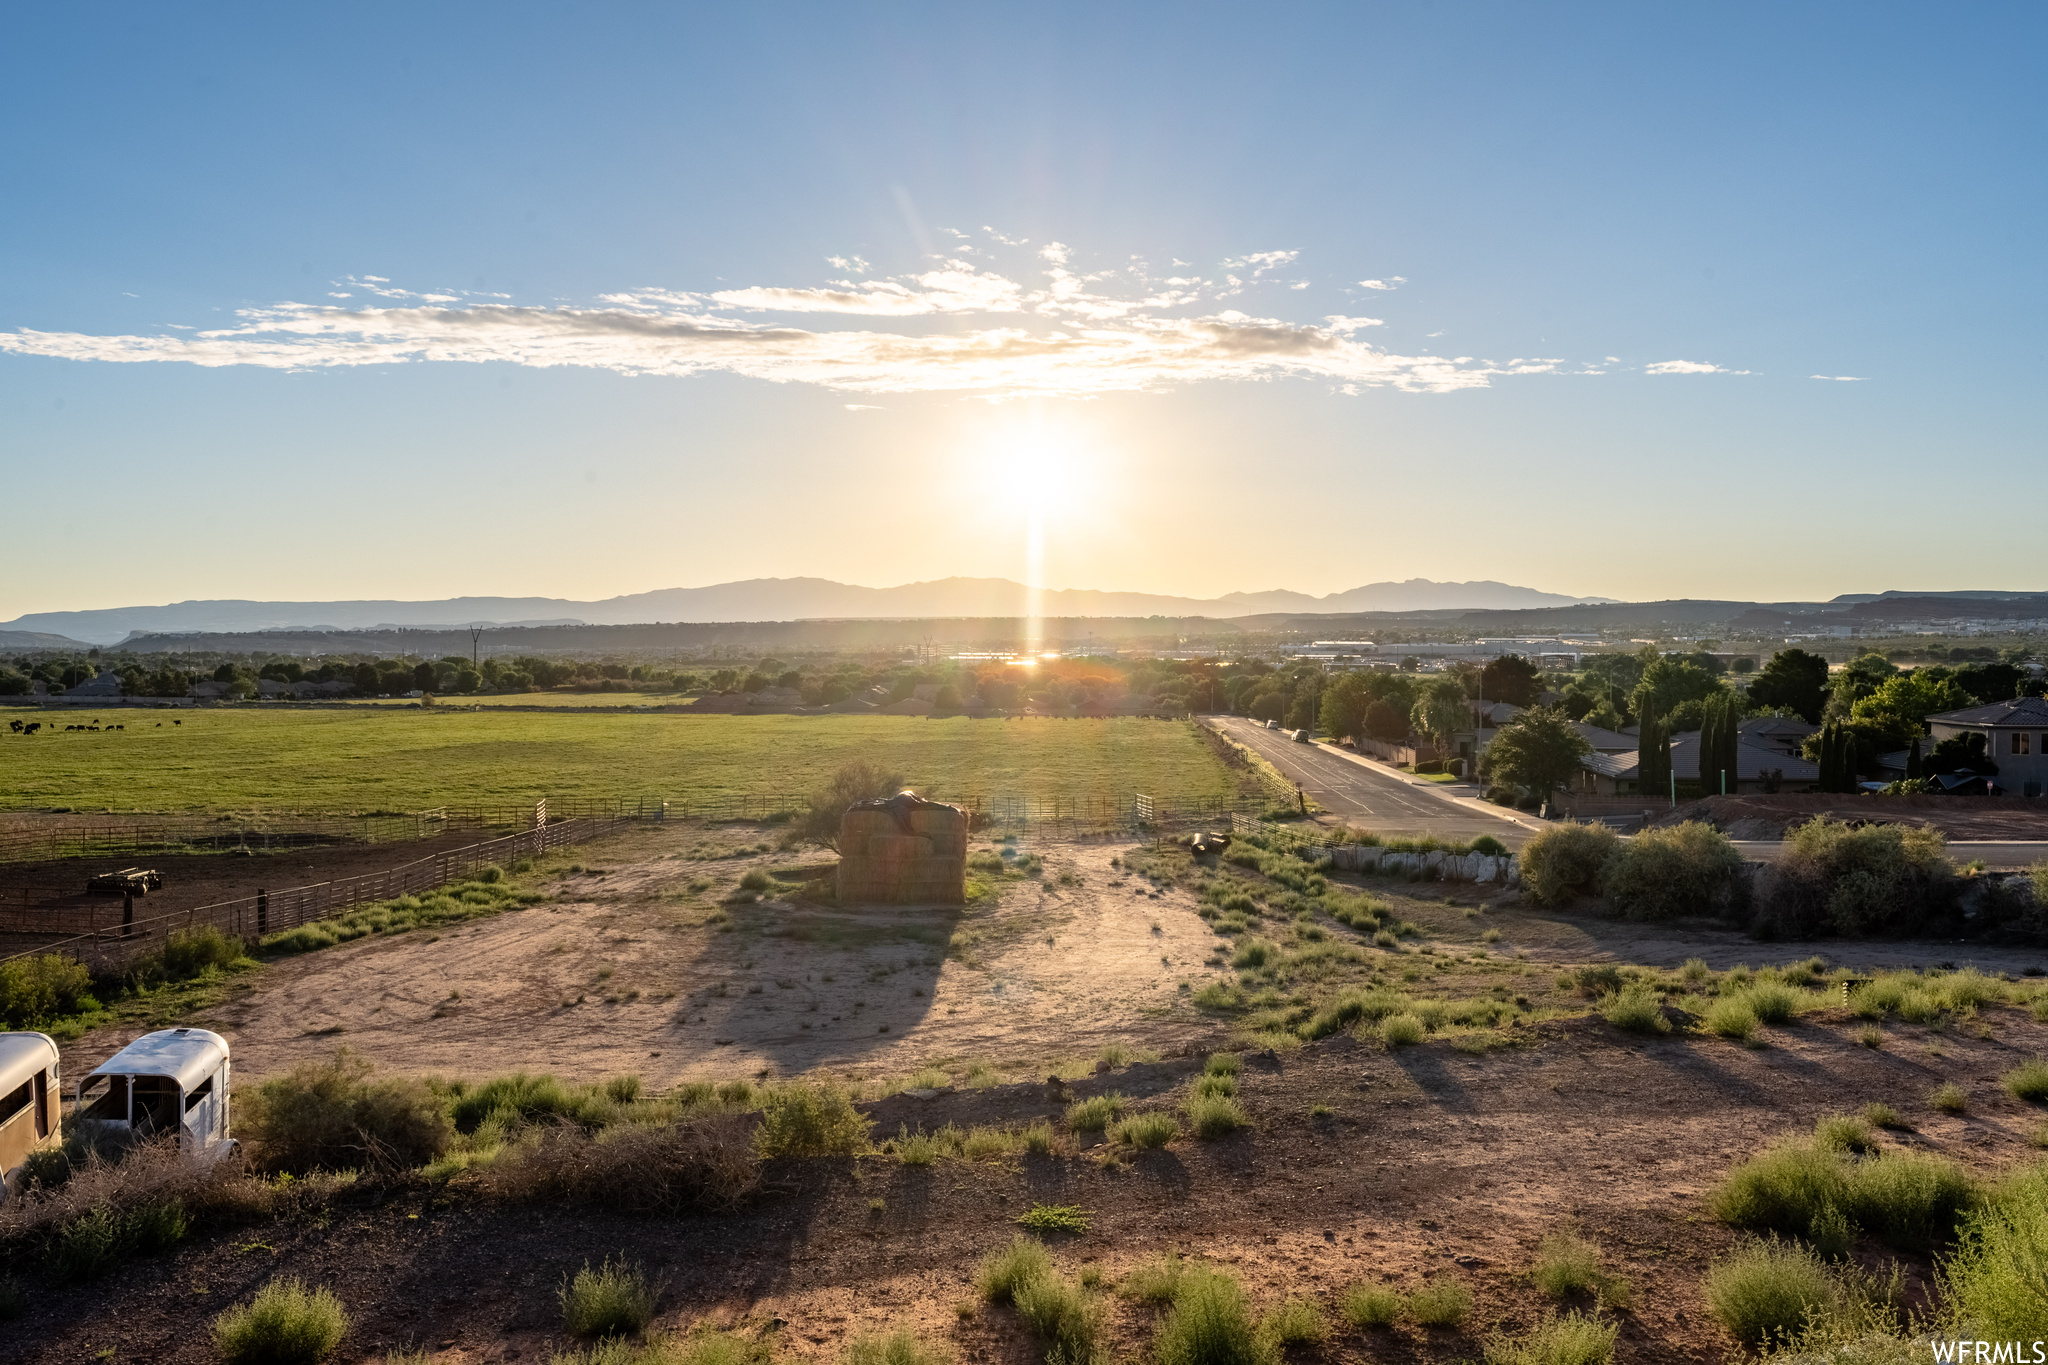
(754, 599)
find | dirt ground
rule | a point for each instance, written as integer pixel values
(1431, 1164)
(640, 963)
(1958, 817)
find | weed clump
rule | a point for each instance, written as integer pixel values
(1002, 1272)
(1767, 1292)
(2028, 1081)
(1370, 1305)
(285, 1324)
(896, 1348)
(1564, 861)
(1156, 1281)
(1440, 1303)
(1568, 1264)
(1297, 1322)
(1660, 874)
(1096, 1113)
(331, 1116)
(611, 1301)
(1731, 1017)
(1147, 1130)
(1055, 1218)
(1215, 1116)
(1949, 1098)
(1910, 1199)
(1211, 1323)
(1995, 1279)
(810, 1120)
(1401, 1030)
(1636, 1008)
(1569, 1340)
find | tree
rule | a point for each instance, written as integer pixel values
(1510, 678)
(1667, 682)
(1383, 722)
(1904, 701)
(1860, 677)
(1913, 763)
(1344, 706)
(859, 780)
(1605, 716)
(1992, 682)
(1441, 712)
(1653, 755)
(1793, 679)
(1537, 751)
(1720, 733)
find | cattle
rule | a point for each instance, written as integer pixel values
(15, 726)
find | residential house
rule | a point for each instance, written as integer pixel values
(1758, 769)
(2015, 738)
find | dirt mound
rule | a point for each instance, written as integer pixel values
(1958, 817)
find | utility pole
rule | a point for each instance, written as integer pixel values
(475, 634)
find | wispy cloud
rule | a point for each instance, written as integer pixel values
(1394, 283)
(1686, 367)
(1050, 328)
(1840, 378)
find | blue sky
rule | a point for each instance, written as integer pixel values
(518, 299)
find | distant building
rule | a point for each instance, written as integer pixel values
(2015, 738)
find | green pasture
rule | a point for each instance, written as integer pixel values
(550, 700)
(360, 760)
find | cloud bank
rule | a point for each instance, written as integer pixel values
(1048, 328)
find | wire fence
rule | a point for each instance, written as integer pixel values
(114, 936)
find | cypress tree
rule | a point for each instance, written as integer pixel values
(1652, 759)
(1913, 759)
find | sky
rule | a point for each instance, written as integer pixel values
(1736, 301)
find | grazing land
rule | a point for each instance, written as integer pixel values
(356, 759)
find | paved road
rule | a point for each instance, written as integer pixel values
(2003, 854)
(1368, 797)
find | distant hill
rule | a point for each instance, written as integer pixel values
(757, 599)
(37, 639)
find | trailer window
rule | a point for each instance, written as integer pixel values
(17, 1100)
(156, 1104)
(104, 1098)
(198, 1094)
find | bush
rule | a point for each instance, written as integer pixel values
(1782, 1189)
(519, 1096)
(1223, 1064)
(1096, 1113)
(1949, 1098)
(1370, 1305)
(611, 1301)
(1003, 1272)
(188, 952)
(1996, 1280)
(1297, 1322)
(1440, 1303)
(1215, 1116)
(2028, 1081)
(1569, 1340)
(1147, 1130)
(1156, 1281)
(1636, 1008)
(38, 990)
(1856, 881)
(1064, 1316)
(331, 1116)
(897, 1348)
(1401, 1030)
(810, 1120)
(1564, 861)
(1844, 1133)
(1772, 1002)
(285, 1324)
(1661, 874)
(1768, 1292)
(1568, 1264)
(1210, 1323)
(851, 782)
(1731, 1017)
(705, 1166)
(1910, 1199)
(1055, 1218)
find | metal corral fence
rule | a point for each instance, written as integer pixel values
(107, 945)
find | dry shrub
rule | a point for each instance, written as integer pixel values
(661, 1168)
(285, 1324)
(858, 780)
(1660, 874)
(1565, 861)
(1854, 881)
(330, 1116)
(36, 990)
(810, 1120)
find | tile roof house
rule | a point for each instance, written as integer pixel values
(2016, 739)
(1758, 769)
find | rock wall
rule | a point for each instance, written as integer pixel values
(899, 852)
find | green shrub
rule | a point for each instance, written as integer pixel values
(91, 1244)
(1568, 1264)
(1156, 1281)
(1596, 981)
(1096, 1113)
(1401, 1030)
(1440, 1303)
(1564, 861)
(1210, 1323)
(285, 1324)
(1002, 1273)
(331, 1116)
(915, 1149)
(896, 1348)
(1844, 1133)
(623, 1089)
(1568, 1340)
(40, 990)
(1215, 1085)
(1297, 1322)
(756, 880)
(1223, 1064)
(614, 1300)
(1949, 1098)
(1055, 1218)
(1636, 1008)
(1880, 1115)
(1147, 1130)
(1038, 1139)
(1911, 1199)
(1767, 1292)
(1771, 1002)
(810, 1120)
(1066, 1318)
(1997, 1281)
(1782, 1189)
(520, 1095)
(1369, 1305)
(1857, 880)
(1731, 1017)
(2028, 1081)
(1215, 1116)
(1665, 873)
(188, 952)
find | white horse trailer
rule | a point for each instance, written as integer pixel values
(30, 1095)
(171, 1081)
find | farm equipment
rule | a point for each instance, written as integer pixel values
(129, 881)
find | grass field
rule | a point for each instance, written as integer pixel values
(358, 760)
(552, 700)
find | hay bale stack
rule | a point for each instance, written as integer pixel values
(903, 850)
